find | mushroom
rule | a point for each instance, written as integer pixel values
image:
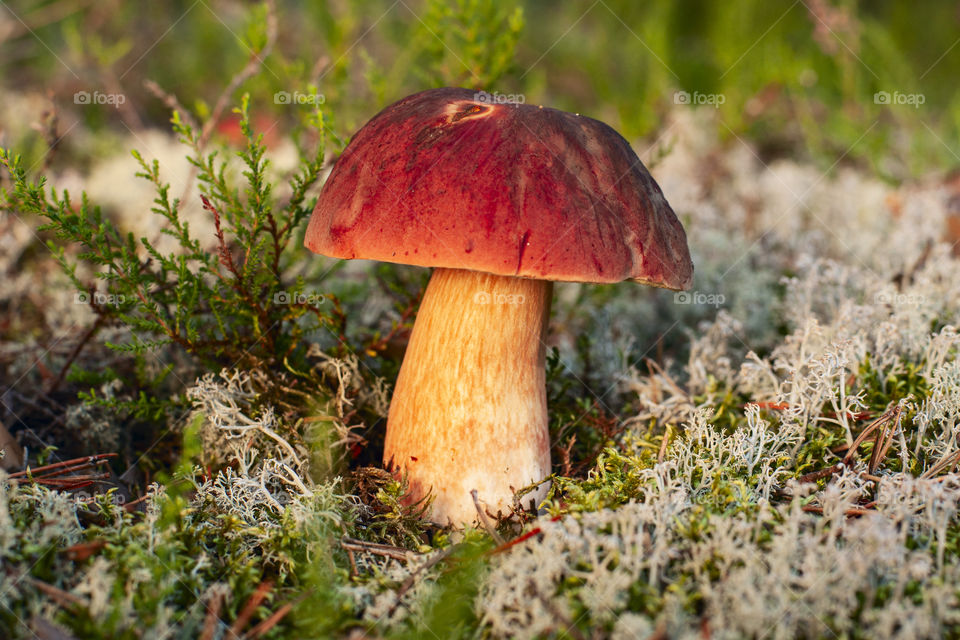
(501, 199)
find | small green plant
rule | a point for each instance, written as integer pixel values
(477, 45)
(206, 304)
(231, 305)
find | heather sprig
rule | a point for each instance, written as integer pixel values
(223, 300)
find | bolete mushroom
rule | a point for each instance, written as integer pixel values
(502, 200)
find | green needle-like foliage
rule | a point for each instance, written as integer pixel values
(231, 305)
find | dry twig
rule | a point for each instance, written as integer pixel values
(387, 550)
(484, 520)
(259, 595)
(61, 597)
(213, 617)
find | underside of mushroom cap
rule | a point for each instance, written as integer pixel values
(447, 178)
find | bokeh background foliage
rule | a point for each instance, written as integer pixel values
(795, 76)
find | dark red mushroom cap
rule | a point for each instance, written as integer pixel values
(447, 178)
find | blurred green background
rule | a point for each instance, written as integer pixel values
(803, 79)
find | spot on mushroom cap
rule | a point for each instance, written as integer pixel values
(440, 179)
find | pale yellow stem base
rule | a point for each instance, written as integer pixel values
(470, 409)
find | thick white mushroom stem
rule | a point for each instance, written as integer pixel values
(470, 409)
